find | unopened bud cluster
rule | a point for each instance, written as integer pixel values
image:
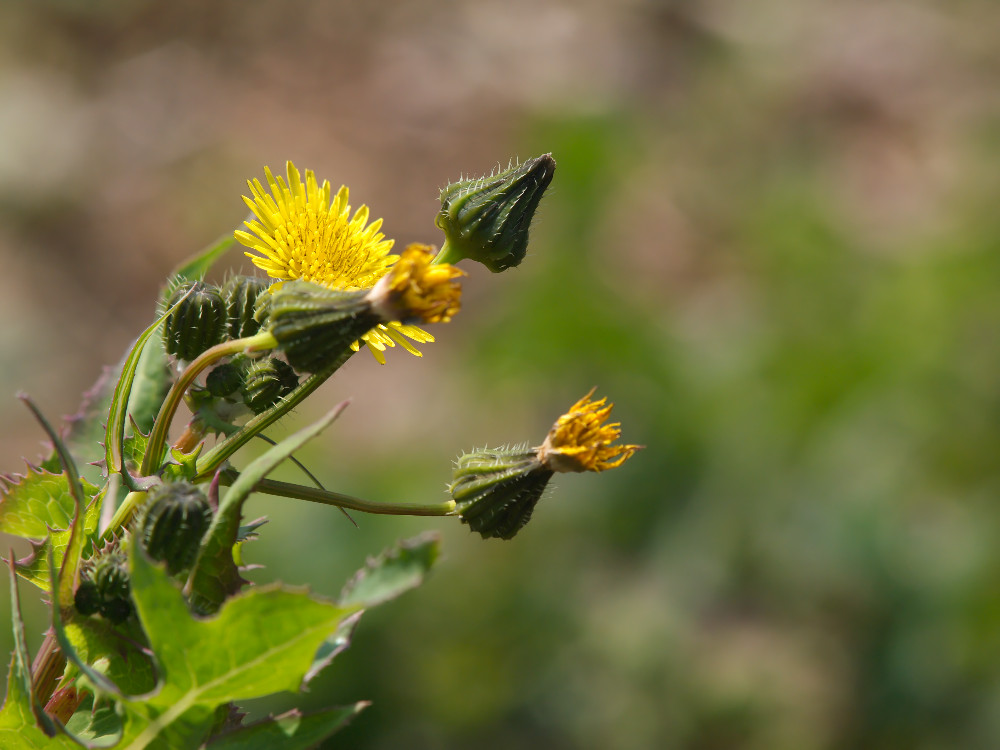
(104, 589)
(203, 315)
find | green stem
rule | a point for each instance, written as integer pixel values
(158, 438)
(124, 513)
(212, 460)
(299, 492)
(447, 254)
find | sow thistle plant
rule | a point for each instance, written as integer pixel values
(137, 537)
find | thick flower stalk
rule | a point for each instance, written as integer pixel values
(303, 232)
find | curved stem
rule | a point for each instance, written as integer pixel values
(158, 438)
(447, 254)
(212, 460)
(124, 513)
(299, 492)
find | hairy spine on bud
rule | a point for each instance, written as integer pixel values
(198, 323)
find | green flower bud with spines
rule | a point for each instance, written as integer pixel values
(111, 576)
(87, 599)
(315, 325)
(241, 294)
(495, 491)
(487, 219)
(116, 610)
(199, 322)
(111, 583)
(266, 381)
(175, 519)
(224, 380)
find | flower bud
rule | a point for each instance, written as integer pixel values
(225, 379)
(487, 219)
(417, 290)
(87, 600)
(581, 441)
(176, 518)
(496, 491)
(314, 325)
(111, 580)
(266, 381)
(241, 294)
(199, 322)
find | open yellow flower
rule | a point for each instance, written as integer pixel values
(300, 232)
(580, 441)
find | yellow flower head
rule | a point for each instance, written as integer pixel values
(580, 441)
(300, 232)
(415, 289)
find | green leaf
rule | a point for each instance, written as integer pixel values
(259, 643)
(215, 574)
(115, 433)
(150, 384)
(290, 731)
(33, 504)
(385, 577)
(35, 567)
(96, 727)
(117, 647)
(395, 571)
(20, 715)
(77, 534)
(195, 267)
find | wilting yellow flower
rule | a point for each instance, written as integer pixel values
(416, 290)
(302, 233)
(580, 441)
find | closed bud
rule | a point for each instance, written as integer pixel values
(199, 322)
(266, 381)
(176, 517)
(495, 491)
(487, 219)
(111, 582)
(315, 326)
(224, 380)
(241, 294)
(87, 600)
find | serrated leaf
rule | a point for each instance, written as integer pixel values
(385, 577)
(290, 731)
(77, 535)
(32, 504)
(20, 716)
(332, 646)
(96, 728)
(95, 639)
(395, 571)
(215, 574)
(259, 643)
(35, 567)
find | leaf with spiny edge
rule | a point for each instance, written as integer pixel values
(78, 538)
(34, 567)
(21, 719)
(292, 730)
(215, 575)
(394, 572)
(260, 642)
(34, 503)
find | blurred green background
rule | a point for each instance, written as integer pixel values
(772, 240)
